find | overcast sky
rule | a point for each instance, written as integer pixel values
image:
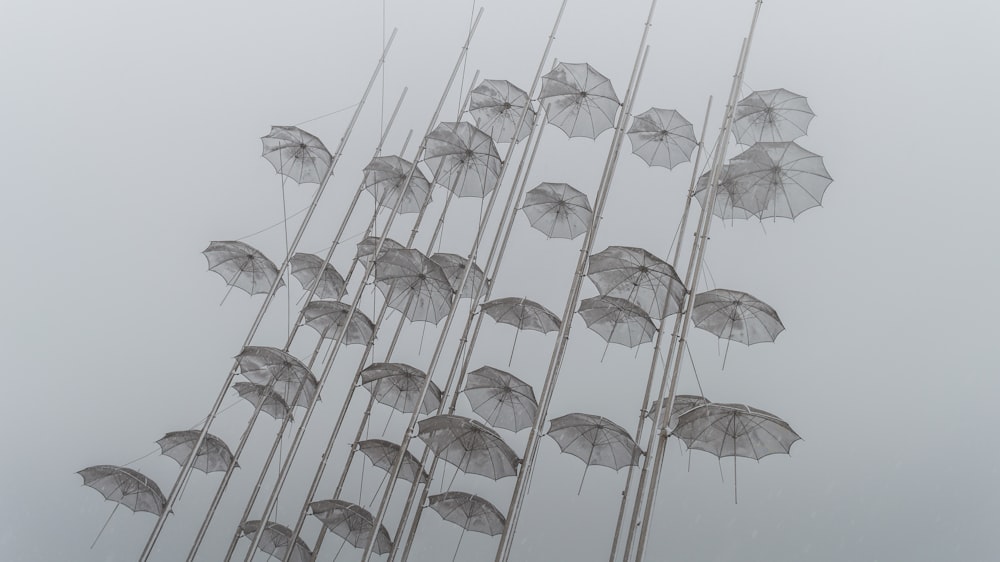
(133, 141)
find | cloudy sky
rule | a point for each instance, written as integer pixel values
(133, 141)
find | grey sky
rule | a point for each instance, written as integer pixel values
(133, 141)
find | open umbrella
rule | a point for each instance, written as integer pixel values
(123, 486)
(558, 210)
(468, 511)
(453, 266)
(781, 179)
(311, 270)
(617, 321)
(296, 154)
(662, 137)
(399, 386)
(771, 116)
(274, 405)
(352, 523)
(327, 318)
(367, 247)
(729, 195)
(414, 284)
(275, 539)
(383, 454)
(280, 370)
(637, 276)
(523, 314)
(579, 100)
(736, 316)
(466, 156)
(497, 106)
(384, 179)
(241, 266)
(501, 399)
(213, 454)
(683, 403)
(595, 440)
(469, 445)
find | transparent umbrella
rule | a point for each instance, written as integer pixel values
(782, 179)
(497, 106)
(327, 318)
(241, 266)
(595, 440)
(558, 210)
(123, 486)
(384, 179)
(276, 539)
(296, 154)
(736, 316)
(683, 403)
(399, 386)
(454, 268)
(352, 523)
(466, 156)
(280, 370)
(213, 454)
(662, 137)
(469, 445)
(367, 247)
(501, 399)
(771, 116)
(274, 405)
(523, 314)
(617, 321)
(637, 276)
(579, 100)
(730, 194)
(468, 511)
(312, 270)
(383, 454)
(414, 284)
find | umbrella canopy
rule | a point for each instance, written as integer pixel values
(453, 266)
(414, 284)
(469, 445)
(736, 316)
(558, 210)
(310, 269)
(782, 179)
(617, 320)
(469, 512)
(468, 160)
(683, 403)
(730, 194)
(270, 366)
(637, 276)
(501, 399)
(595, 440)
(522, 313)
(367, 247)
(213, 454)
(735, 430)
(327, 318)
(497, 106)
(242, 266)
(125, 486)
(662, 137)
(384, 179)
(296, 154)
(352, 523)
(274, 405)
(579, 100)
(398, 386)
(383, 454)
(275, 539)
(771, 116)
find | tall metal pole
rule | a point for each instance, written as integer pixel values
(214, 411)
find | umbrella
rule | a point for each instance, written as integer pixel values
(367, 246)
(782, 179)
(736, 316)
(469, 445)
(501, 399)
(213, 454)
(310, 269)
(771, 116)
(399, 386)
(296, 154)
(123, 486)
(730, 193)
(595, 440)
(662, 137)
(579, 100)
(414, 284)
(497, 106)
(327, 318)
(468, 160)
(470, 512)
(522, 314)
(617, 320)
(274, 405)
(384, 178)
(735, 430)
(638, 277)
(275, 540)
(454, 268)
(558, 210)
(280, 370)
(241, 266)
(383, 454)
(683, 403)
(352, 523)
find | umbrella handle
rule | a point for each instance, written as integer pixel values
(105, 526)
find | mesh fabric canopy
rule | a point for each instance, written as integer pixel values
(275, 539)
(310, 269)
(617, 320)
(296, 154)
(782, 179)
(383, 454)
(662, 137)
(497, 106)
(522, 313)
(126, 487)
(468, 160)
(469, 512)
(637, 276)
(728, 430)
(469, 445)
(558, 210)
(213, 454)
(414, 284)
(736, 316)
(352, 523)
(453, 266)
(367, 247)
(384, 179)
(579, 100)
(398, 386)
(502, 399)
(274, 405)
(729, 195)
(327, 318)
(682, 404)
(272, 366)
(771, 116)
(595, 440)
(242, 266)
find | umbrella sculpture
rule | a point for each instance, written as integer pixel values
(275, 540)
(497, 106)
(414, 285)
(736, 316)
(735, 430)
(213, 455)
(501, 399)
(557, 210)
(453, 266)
(595, 440)
(617, 321)
(274, 405)
(729, 194)
(296, 154)
(280, 370)
(327, 318)
(384, 179)
(383, 454)
(782, 179)
(683, 403)
(771, 116)
(367, 247)
(523, 314)
(123, 486)
(312, 270)
(241, 266)
(662, 137)
(638, 277)
(579, 100)
(469, 445)
(398, 386)
(468, 160)
(470, 512)
(352, 523)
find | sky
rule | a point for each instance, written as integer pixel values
(134, 141)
